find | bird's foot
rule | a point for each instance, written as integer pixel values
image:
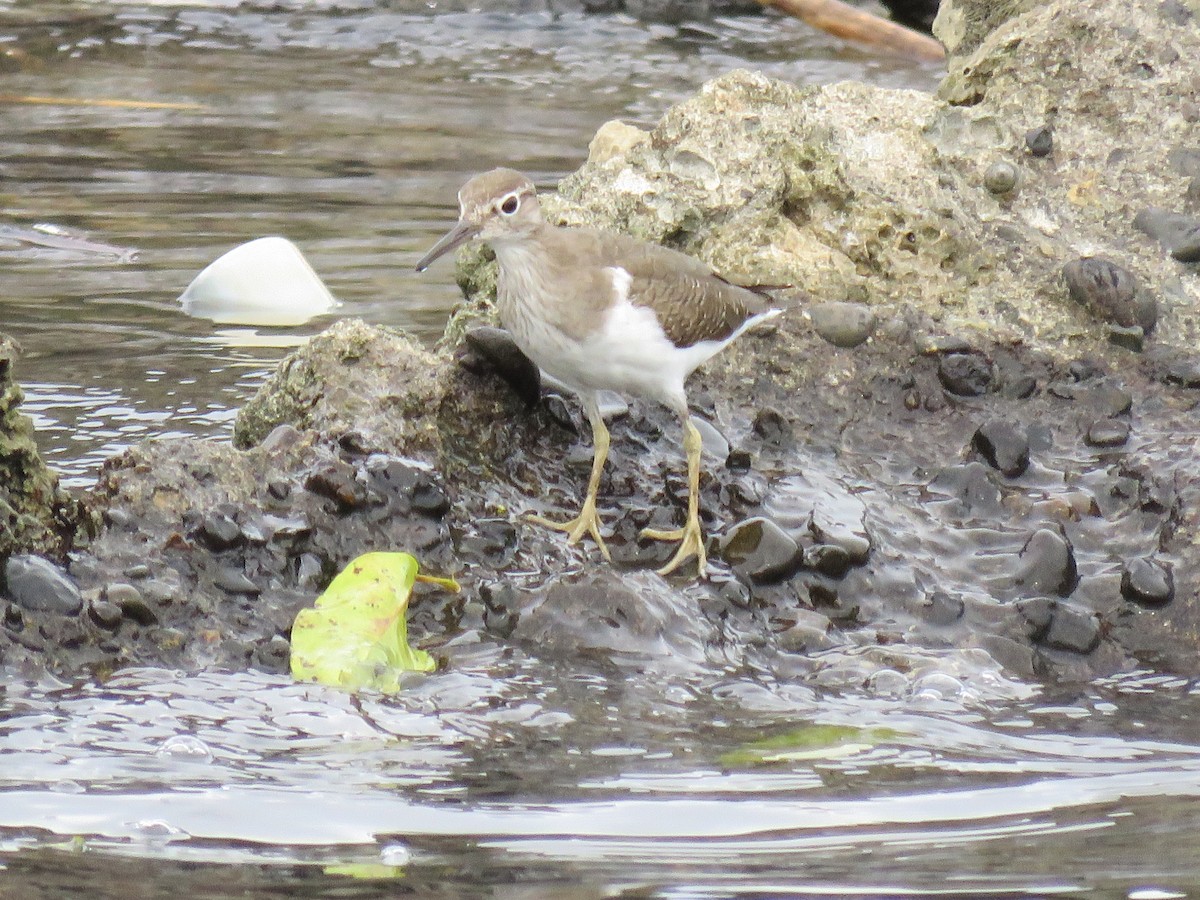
(587, 522)
(691, 543)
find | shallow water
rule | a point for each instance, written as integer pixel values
(498, 774)
(348, 126)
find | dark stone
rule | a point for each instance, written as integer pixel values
(490, 540)
(1110, 292)
(507, 359)
(1047, 564)
(761, 551)
(429, 497)
(1020, 387)
(1107, 433)
(105, 614)
(828, 559)
(562, 412)
(1147, 582)
(231, 581)
(844, 325)
(1074, 629)
(918, 14)
(502, 607)
(965, 374)
(138, 571)
(1004, 447)
(38, 585)
(1037, 612)
(1112, 400)
(133, 606)
(1131, 338)
(336, 482)
(739, 460)
(219, 532)
(1177, 369)
(1040, 141)
(772, 427)
(1178, 233)
(273, 654)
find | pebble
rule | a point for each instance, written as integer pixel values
(739, 460)
(278, 489)
(772, 427)
(760, 550)
(429, 497)
(1047, 564)
(1110, 292)
(38, 585)
(1131, 338)
(1004, 447)
(105, 614)
(493, 540)
(1178, 233)
(1112, 400)
(1001, 177)
(965, 374)
(828, 559)
(497, 347)
(940, 608)
(336, 482)
(233, 581)
(1107, 433)
(220, 532)
(138, 571)
(844, 325)
(1040, 141)
(1074, 629)
(1147, 582)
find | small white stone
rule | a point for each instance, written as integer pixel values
(264, 282)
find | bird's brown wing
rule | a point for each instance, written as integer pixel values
(692, 303)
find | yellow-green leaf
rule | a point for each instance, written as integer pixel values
(355, 635)
(813, 742)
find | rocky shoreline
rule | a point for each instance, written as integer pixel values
(975, 435)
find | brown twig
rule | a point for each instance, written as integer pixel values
(852, 24)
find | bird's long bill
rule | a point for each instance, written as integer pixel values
(455, 237)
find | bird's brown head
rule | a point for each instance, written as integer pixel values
(497, 205)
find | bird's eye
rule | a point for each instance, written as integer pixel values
(510, 204)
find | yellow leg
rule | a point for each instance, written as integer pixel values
(588, 521)
(690, 537)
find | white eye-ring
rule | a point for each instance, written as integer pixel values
(510, 204)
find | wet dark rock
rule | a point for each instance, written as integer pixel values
(232, 581)
(1037, 613)
(1107, 433)
(132, 604)
(1004, 447)
(429, 497)
(965, 374)
(105, 614)
(337, 482)
(490, 540)
(1132, 337)
(1178, 233)
(1040, 141)
(1112, 400)
(829, 560)
(279, 489)
(1177, 369)
(220, 532)
(1001, 177)
(1110, 292)
(761, 551)
(38, 585)
(499, 349)
(843, 324)
(1047, 564)
(273, 654)
(739, 460)
(771, 426)
(1148, 583)
(1073, 629)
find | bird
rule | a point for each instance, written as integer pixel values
(600, 310)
